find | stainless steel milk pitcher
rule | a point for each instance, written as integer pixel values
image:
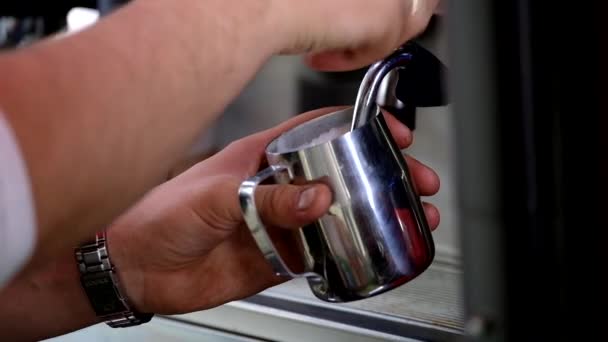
(375, 236)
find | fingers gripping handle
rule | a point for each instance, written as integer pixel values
(256, 226)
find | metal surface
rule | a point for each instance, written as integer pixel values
(426, 309)
(160, 329)
(285, 324)
(474, 92)
(250, 213)
(101, 285)
(375, 236)
(433, 301)
(529, 139)
(366, 106)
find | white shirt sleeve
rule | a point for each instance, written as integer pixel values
(17, 217)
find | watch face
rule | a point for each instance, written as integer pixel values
(104, 297)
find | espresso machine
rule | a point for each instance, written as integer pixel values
(528, 89)
(421, 84)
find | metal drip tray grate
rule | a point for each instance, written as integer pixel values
(434, 298)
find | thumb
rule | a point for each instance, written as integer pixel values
(285, 206)
(292, 206)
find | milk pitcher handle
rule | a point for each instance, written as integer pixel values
(256, 226)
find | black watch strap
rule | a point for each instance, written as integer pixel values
(101, 285)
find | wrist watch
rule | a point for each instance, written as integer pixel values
(100, 282)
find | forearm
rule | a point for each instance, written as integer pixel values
(45, 302)
(101, 116)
